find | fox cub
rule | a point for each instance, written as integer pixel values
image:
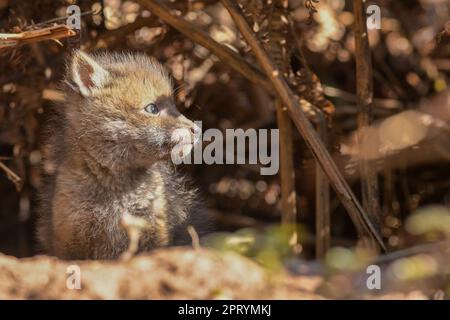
(110, 146)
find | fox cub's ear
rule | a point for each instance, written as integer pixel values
(86, 73)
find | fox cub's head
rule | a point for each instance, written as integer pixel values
(120, 108)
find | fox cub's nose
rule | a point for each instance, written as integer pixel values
(186, 133)
(186, 123)
(193, 128)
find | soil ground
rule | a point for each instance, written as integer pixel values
(173, 273)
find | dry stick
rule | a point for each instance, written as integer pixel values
(364, 92)
(287, 173)
(51, 21)
(440, 248)
(12, 176)
(364, 226)
(278, 28)
(50, 33)
(194, 237)
(323, 227)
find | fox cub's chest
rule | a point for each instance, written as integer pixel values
(147, 198)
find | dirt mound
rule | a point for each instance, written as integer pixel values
(175, 273)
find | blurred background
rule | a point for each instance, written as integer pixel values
(408, 142)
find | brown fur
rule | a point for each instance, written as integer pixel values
(110, 156)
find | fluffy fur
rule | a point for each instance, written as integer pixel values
(110, 156)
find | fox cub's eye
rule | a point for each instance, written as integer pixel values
(151, 108)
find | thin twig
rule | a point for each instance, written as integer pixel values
(278, 29)
(364, 92)
(364, 226)
(435, 247)
(287, 173)
(64, 18)
(50, 33)
(194, 237)
(323, 227)
(384, 104)
(12, 176)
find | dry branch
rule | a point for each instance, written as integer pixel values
(278, 29)
(323, 227)
(287, 172)
(53, 95)
(364, 92)
(364, 226)
(49, 33)
(12, 176)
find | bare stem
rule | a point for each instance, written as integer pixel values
(364, 92)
